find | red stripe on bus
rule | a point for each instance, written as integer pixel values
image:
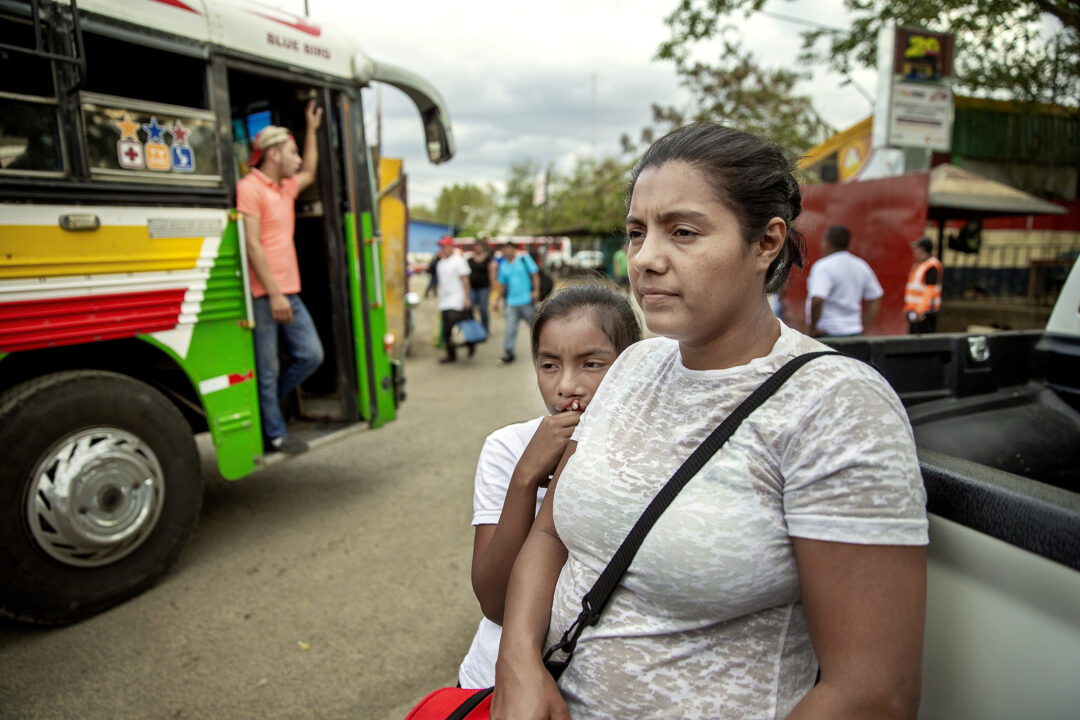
(237, 378)
(298, 23)
(32, 324)
(88, 303)
(178, 4)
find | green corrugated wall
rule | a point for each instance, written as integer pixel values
(1017, 136)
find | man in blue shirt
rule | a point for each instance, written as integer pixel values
(519, 284)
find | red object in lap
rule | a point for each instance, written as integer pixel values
(453, 704)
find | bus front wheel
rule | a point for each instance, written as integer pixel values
(99, 490)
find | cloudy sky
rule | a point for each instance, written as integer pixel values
(548, 81)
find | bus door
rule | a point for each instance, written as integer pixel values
(339, 390)
(367, 281)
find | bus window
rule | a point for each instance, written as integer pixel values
(29, 130)
(29, 136)
(147, 114)
(124, 69)
(256, 122)
(133, 140)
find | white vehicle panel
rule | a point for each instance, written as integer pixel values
(1065, 319)
(993, 608)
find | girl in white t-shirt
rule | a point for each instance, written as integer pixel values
(576, 335)
(799, 545)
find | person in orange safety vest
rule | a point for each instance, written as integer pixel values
(922, 296)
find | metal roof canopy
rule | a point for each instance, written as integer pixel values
(958, 194)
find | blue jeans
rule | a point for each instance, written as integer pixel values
(305, 352)
(514, 313)
(479, 300)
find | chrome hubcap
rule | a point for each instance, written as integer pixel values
(95, 497)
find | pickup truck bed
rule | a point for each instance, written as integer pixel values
(1005, 400)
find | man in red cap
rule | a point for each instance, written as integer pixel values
(266, 196)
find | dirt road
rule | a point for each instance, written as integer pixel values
(334, 585)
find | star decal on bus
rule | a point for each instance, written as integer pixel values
(179, 133)
(154, 131)
(128, 128)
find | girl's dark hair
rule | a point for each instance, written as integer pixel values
(610, 311)
(750, 175)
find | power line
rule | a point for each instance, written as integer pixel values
(848, 80)
(799, 21)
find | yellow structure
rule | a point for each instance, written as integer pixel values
(393, 226)
(851, 148)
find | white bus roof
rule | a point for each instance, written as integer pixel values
(282, 37)
(247, 27)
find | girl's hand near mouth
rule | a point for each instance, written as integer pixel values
(546, 448)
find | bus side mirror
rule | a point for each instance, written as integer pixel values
(438, 145)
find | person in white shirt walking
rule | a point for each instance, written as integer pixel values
(843, 295)
(454, 295)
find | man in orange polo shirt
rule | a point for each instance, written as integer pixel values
(267, 196)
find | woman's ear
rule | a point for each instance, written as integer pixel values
(772, 242)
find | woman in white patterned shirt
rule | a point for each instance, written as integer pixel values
(799, 546)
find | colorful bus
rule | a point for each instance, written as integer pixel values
(125, 314)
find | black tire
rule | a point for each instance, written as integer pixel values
(35, 417)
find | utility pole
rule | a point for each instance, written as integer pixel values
(593, 78)
(378, 118)
(547, 200)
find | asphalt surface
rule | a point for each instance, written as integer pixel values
(333, 585)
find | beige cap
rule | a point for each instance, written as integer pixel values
(267, 138)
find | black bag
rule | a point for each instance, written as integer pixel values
(546, 283)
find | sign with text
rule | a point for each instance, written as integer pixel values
(923, 56)
(915, 100)
(921, 116)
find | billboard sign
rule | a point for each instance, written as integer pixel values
(921, 116)
(922, 56)
(915, 101)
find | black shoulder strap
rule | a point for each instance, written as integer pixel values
(462, 711)
(594, 601)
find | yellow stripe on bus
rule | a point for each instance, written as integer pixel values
(44, 251)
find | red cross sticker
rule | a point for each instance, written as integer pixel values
(129, 154)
